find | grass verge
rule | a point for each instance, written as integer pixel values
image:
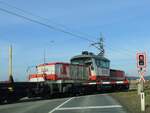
(131, 101)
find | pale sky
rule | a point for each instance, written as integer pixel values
(124, 24)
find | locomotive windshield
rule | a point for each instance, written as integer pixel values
(102, 63)
(89, 59)
(82, 61)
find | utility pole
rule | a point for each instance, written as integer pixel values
(44, 59)
(100, 46)
(44, 56)
(0, 62)
(10, 65)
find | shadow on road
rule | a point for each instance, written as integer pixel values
(59, 96)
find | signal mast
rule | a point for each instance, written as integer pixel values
(100, 46)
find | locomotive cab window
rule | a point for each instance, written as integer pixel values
(82, 61)
(77, 62)
(102, 63)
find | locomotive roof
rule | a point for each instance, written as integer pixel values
(53, 63)
(90, 56)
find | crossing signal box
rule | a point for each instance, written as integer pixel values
(141, 60)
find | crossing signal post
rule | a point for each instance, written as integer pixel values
(141, 66)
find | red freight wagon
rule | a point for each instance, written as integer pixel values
(117, 74)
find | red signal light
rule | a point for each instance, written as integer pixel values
(141, 60)
(141, 57)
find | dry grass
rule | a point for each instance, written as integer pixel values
(131, 101)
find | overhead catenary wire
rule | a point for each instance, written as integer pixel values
(45, 25)
(29, 13)
(50, 26)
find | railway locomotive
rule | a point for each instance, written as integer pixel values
(86, 73)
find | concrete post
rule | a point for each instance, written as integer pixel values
(142, 101)
(139, 89)
(10, 65)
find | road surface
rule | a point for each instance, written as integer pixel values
(99, 103)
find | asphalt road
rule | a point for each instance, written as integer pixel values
(100, 103)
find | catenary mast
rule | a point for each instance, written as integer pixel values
(100, 46)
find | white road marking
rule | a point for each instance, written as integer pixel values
(91, 96)
(56, 108)
(90, 107)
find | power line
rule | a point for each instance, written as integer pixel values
(48, 25)
(45, 25)
(118, 51)
(125, 50)
(29, 13)
(45, 19)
